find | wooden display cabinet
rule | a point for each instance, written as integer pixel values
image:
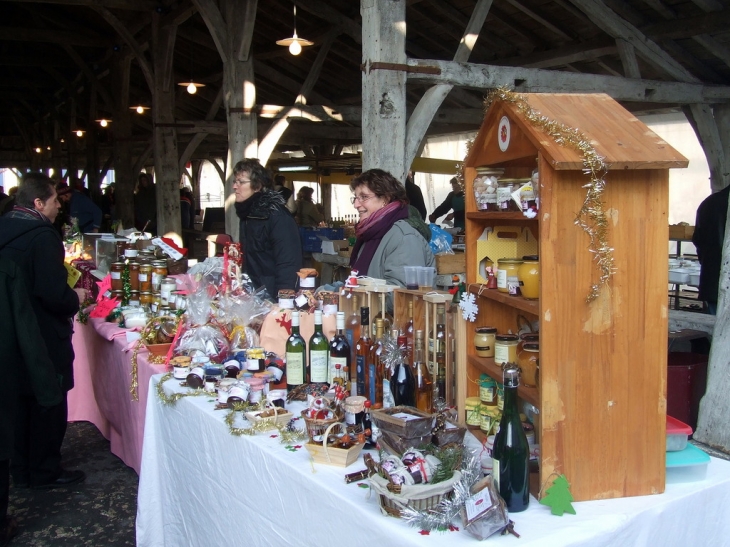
(602, 379)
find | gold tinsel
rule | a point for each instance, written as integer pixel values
(175, 397)
(148, 335)
(591, 217)
(287, 433)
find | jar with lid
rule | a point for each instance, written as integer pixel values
(485, 188)
(116, 270)
(118, 294)
(505, 348)
(167, 286)
(134, 298)
(484, 341)
(529, 274)
(487, 390)
(472, 407)
(145, 299)
(505, 203)
(488, 418)
(159, 271)
(506, 267)
(529, 362)
(134, 275)
(145, 277)
(528, 200)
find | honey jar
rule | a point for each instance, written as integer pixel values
(529, 275)
(505, 348)
(506, 267)
(145, 277)
(529, 362)
(484, 341)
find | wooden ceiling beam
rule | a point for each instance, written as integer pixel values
(134, 5)
(710, 23)
(560, 56)
(64, 37)
(532, 14)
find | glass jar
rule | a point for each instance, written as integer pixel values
(134, 298)
(505, 348)
(145, 299)
(528, 200)
(145, 277)
(529, 362)
(488, 417)
(506, 267)
(472, 407)
(167, 286)
(118, 294)
(485, 188)
(484, 341)
(134, 275)
(529, 274)
(513, 285)
(159, 272)
(505, 203)
(487, 390)
(116, 270)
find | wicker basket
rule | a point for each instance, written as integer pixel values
(332, 455)
(317, 428)
(395, 498)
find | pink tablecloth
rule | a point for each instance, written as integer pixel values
(102, 375)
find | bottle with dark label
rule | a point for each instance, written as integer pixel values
(375, 368)
(440, 350)
(339, 352)
(511, 453)
(352, 332)
(409, 332)
(296, 350)
(403, 383)
(319, 351)
(424, 383)
(362, 351)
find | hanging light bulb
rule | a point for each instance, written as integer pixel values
(80, 132)
(38, 150)
(294, 43)
(104, 122)
(139, 109)
(191, 88)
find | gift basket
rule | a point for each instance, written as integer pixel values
(318, 417)
(336, 447)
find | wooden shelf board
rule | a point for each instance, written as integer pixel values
(485, 364)
(529, 306)
(488, 215)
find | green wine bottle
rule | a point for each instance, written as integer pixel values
(296, 349)
(319, 352)
(511, 453)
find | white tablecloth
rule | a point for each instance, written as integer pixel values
(200, 486)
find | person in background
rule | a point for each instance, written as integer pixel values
(280, 186)
(269, 237)
(108, 207)
(307, 215)
(81, 208)
(25, 366)
(3, 195)
(28, 238)
(8, 203)
(388, 238)
(145, 204)
(64, 212)
(415, 196)
(708, 238)
(187, 210)
(454, 201)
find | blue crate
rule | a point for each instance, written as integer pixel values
(311, 241)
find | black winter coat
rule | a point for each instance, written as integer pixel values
(708, 237)
(37, 249)
(270, 242)
(24, 355)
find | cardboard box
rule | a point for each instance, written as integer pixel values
(681, 231)
(503, 242)
(450, 263)
(332, 247)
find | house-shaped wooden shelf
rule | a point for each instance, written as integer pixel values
(602, 376)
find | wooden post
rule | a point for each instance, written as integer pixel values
(384, 86)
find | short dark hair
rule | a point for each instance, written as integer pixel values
(382, 184)
(305, 192)
(34, 186)
(259, 175)
(280, 179)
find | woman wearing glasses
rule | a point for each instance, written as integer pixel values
(270, 243)
(390, 234)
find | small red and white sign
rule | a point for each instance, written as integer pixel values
(503, 135)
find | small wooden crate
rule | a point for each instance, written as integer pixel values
(388, 419)
(280, 416)
(329, 455)
(452, 433)
(397, 445)
(451, 263)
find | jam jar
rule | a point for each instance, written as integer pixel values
(116, 270)
(145, 277)
(506, 267)
(529, 275)
(529, 362)
(505, 348)
(159, 272)
(484, 341)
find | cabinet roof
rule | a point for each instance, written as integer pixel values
(617, 135)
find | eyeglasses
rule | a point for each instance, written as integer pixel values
(360, 198)
(241, 182)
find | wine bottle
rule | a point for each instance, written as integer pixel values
(339, 352)
(424, 384)
(318, 353)
(403, 383)
(296, 349)
(511, 453)
(408, 331)
(362, 349)
(352, 332)
(375, 368)
(440, 350)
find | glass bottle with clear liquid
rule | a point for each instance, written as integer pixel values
(423, 381)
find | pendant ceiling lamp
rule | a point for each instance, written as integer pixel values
(191, 86)
(295, 43)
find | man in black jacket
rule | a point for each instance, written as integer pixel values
(28, 238)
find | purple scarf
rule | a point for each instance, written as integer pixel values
(370, 232)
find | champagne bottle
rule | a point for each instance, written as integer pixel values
(424, 384)
(403, 383)
(296, 349)
(352, 332)
(339, 352)
(440, 349)
(318, 366)
(362, 349)
(375, 368)
(511, 453)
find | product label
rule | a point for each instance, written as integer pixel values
(478, 504)
(156, 279)
(387, 395)
(333, 372)
(318, 366)
(501, 279)
(116, 275)
(361, 388)
(486, 394)
(348, 335)
(501, 354)
(371, 387)
(495, 472)
(294, 368)
(143, 277)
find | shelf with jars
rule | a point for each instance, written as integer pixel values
(599, 367)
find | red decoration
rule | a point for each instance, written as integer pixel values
(285, 323)
(425, 533)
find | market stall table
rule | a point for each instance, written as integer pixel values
(202, 486)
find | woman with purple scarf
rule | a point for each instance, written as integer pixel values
(390, 234)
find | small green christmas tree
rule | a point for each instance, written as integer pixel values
(558, 497)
